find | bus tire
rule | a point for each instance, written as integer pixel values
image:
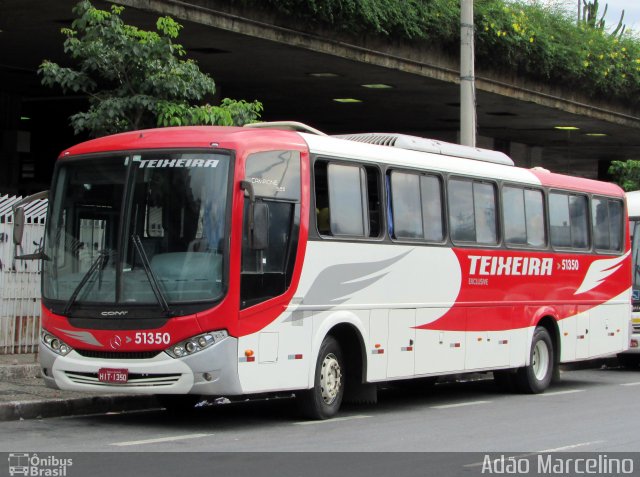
(536, 377)
(324, 399)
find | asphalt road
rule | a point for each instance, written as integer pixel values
(589, 410)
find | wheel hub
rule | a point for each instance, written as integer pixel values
(540, 360)
(330, 378)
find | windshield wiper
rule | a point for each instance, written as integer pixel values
(153, 281)
(97, 264)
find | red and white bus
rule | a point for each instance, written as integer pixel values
(245, 261)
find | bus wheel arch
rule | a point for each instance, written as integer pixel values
(357, 390)
(339, 374)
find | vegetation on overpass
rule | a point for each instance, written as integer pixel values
(533, 40)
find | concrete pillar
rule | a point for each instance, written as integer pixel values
(520, 154)
(535, 156)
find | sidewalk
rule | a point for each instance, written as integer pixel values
(23, 394)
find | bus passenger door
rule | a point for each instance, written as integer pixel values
(273, 207)
(280, 335)
(402, 335)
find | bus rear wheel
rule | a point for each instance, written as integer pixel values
(324, 399)
(536, 377)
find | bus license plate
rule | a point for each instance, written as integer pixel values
(113, 375)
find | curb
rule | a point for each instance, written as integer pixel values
(19, 371)
(19, 410)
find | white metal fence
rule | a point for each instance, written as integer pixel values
(20, 279)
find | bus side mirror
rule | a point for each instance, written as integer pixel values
(260, 233)
(19, 221)
(18, 225)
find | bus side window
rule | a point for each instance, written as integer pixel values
(523, 217)
(415, 208)
(578, 208)
(568, 220)
(348, 200)
(406, 206)
(607, 224)
(324, 225)
(472, 211)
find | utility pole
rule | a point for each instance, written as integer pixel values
(467, 79)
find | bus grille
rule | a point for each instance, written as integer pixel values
(87, 353)
(135, 380)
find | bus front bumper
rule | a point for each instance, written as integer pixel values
(212, 371)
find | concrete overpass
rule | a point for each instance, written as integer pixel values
(298, 74)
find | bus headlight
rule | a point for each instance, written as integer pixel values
(55, 344)
(195, 344)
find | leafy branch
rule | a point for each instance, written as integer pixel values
(136, 79)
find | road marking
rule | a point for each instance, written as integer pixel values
(558, 393)
(631, 384)
(460, 404)
(160, 439)
(335, 419)
(530, 454)
(571, 446)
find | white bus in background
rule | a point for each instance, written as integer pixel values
(631, 358)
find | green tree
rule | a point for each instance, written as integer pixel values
(136, 79)
(626, 174)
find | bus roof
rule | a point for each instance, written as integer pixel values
(337, 147)
(261, 138)
(187, 137)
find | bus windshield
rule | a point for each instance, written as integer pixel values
(143, 228)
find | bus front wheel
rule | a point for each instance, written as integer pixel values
(536, 377)
(324, 399)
